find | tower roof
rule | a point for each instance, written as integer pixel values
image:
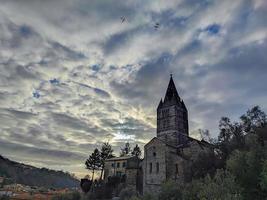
(160, 103)
(171, 93)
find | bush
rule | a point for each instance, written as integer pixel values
(149, 197)
(69, 196)
(103, 192)
(85, 185)
(170, 191)
(223, 186)
(4, 197)
(127, 193)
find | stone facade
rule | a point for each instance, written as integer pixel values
(115, 167)
(127, 166)
(169, 156)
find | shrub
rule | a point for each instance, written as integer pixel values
(86, 185)
(127, 193)
(4, 197)
(69, 196)
(170, 191)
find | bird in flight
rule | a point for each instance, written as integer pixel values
(123, 19)
(54, 81)
(156, 26)
(36, 95)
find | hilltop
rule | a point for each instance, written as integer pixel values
(33, 176)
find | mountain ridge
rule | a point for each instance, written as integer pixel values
(33, 176)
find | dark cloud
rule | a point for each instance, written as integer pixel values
(101, 80)
(147, 81)
(66, 51)
(39, 152)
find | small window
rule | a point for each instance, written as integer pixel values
(150, 168)
(157, 167)
(118, 174)
(154, 154)
(118, 165)
(112, 164)
(124, 164)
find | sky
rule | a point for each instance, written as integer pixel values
(73, 74)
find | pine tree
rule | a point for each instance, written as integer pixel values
(93, 162)
(106, 153)
(136, 151)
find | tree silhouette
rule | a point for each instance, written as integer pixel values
(126, 150)
(106, 153)
(93, 162)
(136, 151)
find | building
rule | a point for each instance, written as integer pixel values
(126, 166)
(169, 155)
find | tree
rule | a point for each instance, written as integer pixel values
(222, 186)
(170, 190)
(93, 162)
(204, 164)
(254, 118)
(125, 151)
(263, 177)
(247, 167)
(106, 153)
(136, 151)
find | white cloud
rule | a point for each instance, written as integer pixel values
(112, 74)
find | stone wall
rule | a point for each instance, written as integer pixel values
(154, 165)
(131, 177)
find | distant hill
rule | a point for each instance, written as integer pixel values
(33, 176)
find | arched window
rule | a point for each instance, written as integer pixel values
(150, 168)
(157, 167)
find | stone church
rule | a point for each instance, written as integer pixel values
(169, 155)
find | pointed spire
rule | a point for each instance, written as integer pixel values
(183, 105)
(171, 93)
(160, 103)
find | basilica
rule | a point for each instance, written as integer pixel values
(167, 156)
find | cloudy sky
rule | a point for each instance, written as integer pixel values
(72, 75)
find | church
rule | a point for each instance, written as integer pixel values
(169, 155)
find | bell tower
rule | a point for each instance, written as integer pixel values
(172, 117)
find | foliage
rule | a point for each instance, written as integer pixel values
(126, 150)
(136, 151)
(106, 153)
(127, 193)
(86, 185)
(203, 165)
(263, 177)
(222, 187)
(103, 192)
(4, 197)
(68, 196)
(249, 168)
(170, 191)
(93, 162)
(232, 135)
(253, 119)
(144, 197)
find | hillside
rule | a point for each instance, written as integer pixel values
(33, 176)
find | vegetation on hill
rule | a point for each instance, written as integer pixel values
(33, 176)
